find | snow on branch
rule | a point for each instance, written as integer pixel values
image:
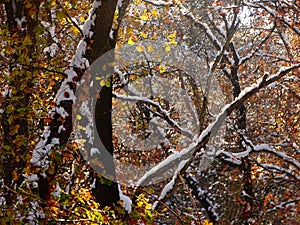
(202, 140)
(282, 155)
(168, 187)
(284, 205)
(273, 168)
(163, 113)
(159, 2)
(255, 50)
(274, 14)
(250, 147)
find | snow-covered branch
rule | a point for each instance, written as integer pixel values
(202, 140)
(162, 112)
(159, 2)
(274, 14)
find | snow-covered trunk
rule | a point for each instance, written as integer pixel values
(97, 40)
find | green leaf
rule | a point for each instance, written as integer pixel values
(108, 83)
(21, 110)
(58, 158)
(7, 147)
(27, 40)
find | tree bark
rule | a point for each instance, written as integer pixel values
(14, 121)
(97, 44)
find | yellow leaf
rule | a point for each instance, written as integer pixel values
(172, 36)
(168, 48)
(144, 35)
(108, 83)
(164, 210)
(144, 17)
(81, 19)
(81, 127)
(129, 31)
(150, 48)
(162, 69)
(78, 117)
(130, 41)
(102, 83)
(206, 222)
(173, 42)
(140, 48)
(154, 13)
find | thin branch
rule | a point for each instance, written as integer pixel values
(70, 18)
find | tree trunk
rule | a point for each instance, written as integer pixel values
(16, 104)
(97, 44)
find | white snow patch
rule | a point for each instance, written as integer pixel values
(126, 200)
(56, 191)
(61, 111)
(96, 4)
(55, 141)
(170, 185)
(61, 128)
(95, 151)
(51, 49)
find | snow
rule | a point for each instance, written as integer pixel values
(79, 61)
(42, 150)
(61, 111)
(6, 92)
(241, 154)
(32, 177)
(41, 153)
(96, 4)
(61, 128)
(230, 157)
(210, 34)
(93, 185)
(126, 200)
(205, 134)
(95, 151)
(159, 2)
(51, 49)
(283, 155)
(161, 111)
(119, 4)
(170, 185)
(55, 141)
(111, 34)
(56, 191)
(35, 213)
(20, 22)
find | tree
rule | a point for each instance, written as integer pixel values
(50, 46)
(25, 23)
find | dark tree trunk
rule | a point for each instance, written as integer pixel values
(106, 190)
(14, 121)
(98, 44)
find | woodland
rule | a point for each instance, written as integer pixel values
(150, 112)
